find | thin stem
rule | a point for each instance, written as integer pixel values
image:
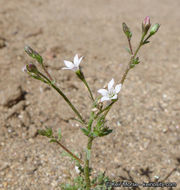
(88, 152)
(69, 152)
(132, 57)
(107, 111)
(125, 73)
(86, 84)
(86, 167)
(68, 101)
(65, 98)
(130, 46)
(46, 71)
(106, 108)
(148, 37)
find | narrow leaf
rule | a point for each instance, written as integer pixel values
(59, 135)
(128, 50)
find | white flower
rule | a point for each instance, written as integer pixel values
(77, 170)
(73, 65)
(111, 93)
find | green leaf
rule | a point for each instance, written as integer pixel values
(59, 135)
(46, 132)
(85, 131)
(100, 129)
(136, 61)
(37, 77)
(105, 132)
(128, 50)
(95, 133)
(77, 120)
(53, 140)
(146, 42)
(64, 153)
(132, 66)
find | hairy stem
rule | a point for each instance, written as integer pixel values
(88, 154)
(86, 167)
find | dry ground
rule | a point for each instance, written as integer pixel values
(145, 121)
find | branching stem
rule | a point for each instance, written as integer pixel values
(69, 152)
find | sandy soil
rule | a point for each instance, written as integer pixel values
(146, 120)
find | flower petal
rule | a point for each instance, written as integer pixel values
(66, 68)
(24, 69)
(110, 84)
(76, 60)
(104, 98)
(114, 97)
(103, 92)
(118, 88)
(69, 64)
(79, 61)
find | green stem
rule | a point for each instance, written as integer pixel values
(86, 167)
(68, 101)
(88, 154)
(106, 108)
(86, 84)
(132, 57)
(64, 96)
(148, 37)
(124, 75)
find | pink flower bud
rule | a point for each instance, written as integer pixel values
(146, 21)
(146, 25)
(32, 68)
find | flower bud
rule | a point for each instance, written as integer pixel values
(127, 30)
(33, 54)
(146, 25)
(154, 29)
(32, 68)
